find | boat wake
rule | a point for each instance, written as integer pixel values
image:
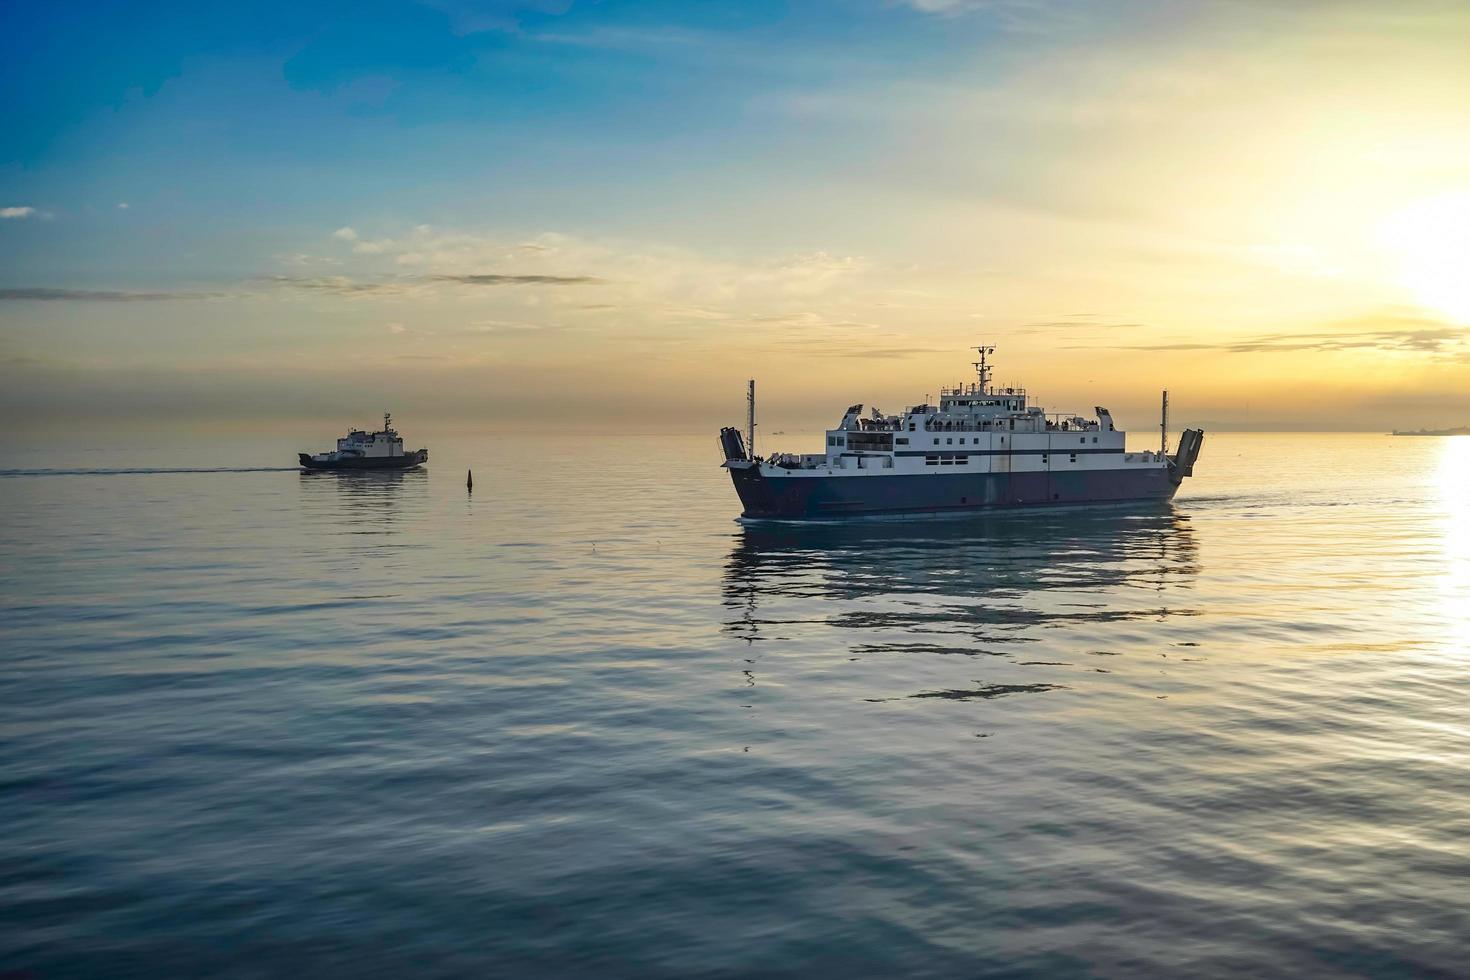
(144, 471)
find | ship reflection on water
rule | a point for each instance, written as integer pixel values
(354, 492)
(1040, 595)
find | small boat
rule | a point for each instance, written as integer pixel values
(359, 450)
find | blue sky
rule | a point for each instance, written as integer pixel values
(455, 198)
(208, 118)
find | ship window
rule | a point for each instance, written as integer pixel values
(873, 441)
(946, 460)
(962, 461)
(936, 440)
(1074, 458)
(931, 460)
(962, 441)
(902, 440)
(1043, 457)
(911, 427)
(949, 442)
(1094, 438)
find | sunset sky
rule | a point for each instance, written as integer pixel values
(599, 214)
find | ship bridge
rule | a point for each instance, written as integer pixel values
(978, 399)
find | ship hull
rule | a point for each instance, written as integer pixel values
(805, 498)
(405, 462)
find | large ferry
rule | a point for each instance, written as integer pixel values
(982, 446)
(360, 450)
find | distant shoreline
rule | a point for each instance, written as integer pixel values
(1463, 430)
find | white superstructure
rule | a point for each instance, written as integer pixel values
(978, 426)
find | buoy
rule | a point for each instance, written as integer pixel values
(469, 480)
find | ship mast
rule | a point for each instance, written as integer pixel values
(983, 369)
(1164, 426)
(750, 418)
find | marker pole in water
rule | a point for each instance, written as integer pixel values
(469, 480)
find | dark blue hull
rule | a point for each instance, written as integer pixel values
(794, 498)
(405, 462)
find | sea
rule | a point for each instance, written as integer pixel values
(579, 722)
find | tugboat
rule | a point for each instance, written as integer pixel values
(359, 450)
(981, 447)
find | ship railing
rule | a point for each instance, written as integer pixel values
(974, 390)
(1071, 423)
(797, 461)
(1027, 424)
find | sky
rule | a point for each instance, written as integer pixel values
(608, 215)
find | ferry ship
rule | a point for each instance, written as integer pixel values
(982, 447)
(360, 450)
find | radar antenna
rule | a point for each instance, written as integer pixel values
(387, 422)
(983, 368)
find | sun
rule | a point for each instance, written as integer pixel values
(1431, 239)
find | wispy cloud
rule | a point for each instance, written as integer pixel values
(346, 286)
(46, 294)
(340, 285)
(1017, 15)
(498, 279)
(1389, 333)
(302, 259)
(16, 213)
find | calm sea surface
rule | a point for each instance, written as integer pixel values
(581, 723)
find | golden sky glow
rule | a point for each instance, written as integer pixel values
(1263, 206)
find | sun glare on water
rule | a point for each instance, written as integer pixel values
(1431, 239)
(1454, 492)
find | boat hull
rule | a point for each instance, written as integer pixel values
(405, 462)
(798, 498)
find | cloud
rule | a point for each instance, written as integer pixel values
(337, 284)
(1018, 15)
(949, 7)
(123, 205)
(299, 259)
(509, 327)
(1391, 332)
(494, 279)
(20, 212)
(45, 294)
(1088, 322)
(346, 286)
(345, 234)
